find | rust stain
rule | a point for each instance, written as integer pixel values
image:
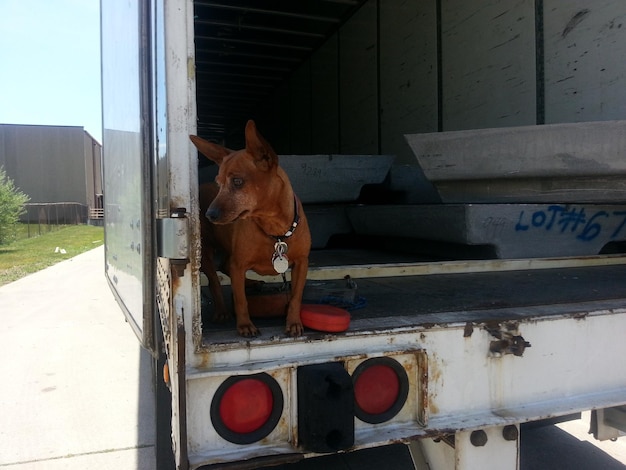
(435, 375)
(175, 276)
(434, 372)
(468, 330)
(423, 399)
(204, 360)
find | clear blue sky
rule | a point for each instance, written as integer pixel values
(50, 63)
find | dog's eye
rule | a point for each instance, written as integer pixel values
(237, 182)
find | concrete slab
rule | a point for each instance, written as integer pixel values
(77, 389)
(572, 162)
(322, 179)
(326, 221)
(513, 230)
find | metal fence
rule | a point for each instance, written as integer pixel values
(45, 216)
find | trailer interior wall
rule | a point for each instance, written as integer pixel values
(398, 67)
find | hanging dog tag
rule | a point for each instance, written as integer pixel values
(279, 259)
(281, 264)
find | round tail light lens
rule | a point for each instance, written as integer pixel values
(245, 409)
(381, 387)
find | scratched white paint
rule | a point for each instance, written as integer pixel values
(585, 70)
(488, 63)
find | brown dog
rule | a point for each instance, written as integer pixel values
(253, 215)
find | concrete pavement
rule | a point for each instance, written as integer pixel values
(76, 390)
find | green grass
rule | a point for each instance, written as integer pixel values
(28, 255)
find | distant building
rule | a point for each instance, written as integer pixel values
(52, 165)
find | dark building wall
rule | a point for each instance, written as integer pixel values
(51, 163)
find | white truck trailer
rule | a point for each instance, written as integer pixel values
(463, 163)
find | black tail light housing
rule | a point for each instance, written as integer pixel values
(325, 408)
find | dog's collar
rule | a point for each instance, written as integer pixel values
(294, 224)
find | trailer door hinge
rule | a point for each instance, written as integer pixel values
(173, 236)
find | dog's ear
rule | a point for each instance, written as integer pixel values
(264, 156)
(210, 150)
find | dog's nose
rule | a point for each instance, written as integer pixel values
(212, 214)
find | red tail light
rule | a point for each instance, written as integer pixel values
(245, 409)
(381, 387)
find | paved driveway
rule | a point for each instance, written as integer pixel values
(76, 389)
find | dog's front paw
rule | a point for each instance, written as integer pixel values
(294, 329)
(248, 330)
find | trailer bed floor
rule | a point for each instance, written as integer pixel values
(404, 301)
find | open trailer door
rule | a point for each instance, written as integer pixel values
(151, 192)
(127, 163)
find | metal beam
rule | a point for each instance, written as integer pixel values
(266, 29)
(264, 11)
(255, 43)
(271, 78)
(244, 66)
(224, 53)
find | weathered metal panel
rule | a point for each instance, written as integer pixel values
(492, 448)
(358, 84)
(126, 165)
(408, 73)
(325, 105)
(488, 63)
(126, 240)
(585, 70)
(467, 385)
